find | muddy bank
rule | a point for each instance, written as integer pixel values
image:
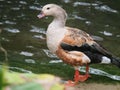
(94, 86)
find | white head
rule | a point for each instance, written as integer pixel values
(52, 10)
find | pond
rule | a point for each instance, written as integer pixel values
(23, 34)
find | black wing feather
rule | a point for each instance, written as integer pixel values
(94, 48)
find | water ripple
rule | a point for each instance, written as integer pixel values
(88, 22)
(84, 4)
(5, 39)
(117, 35)
(25, 53)
(30, 61)
(39, 36)
(8, 1)
(12, 30)
(38, 30)
(22, 2)
(20, 69)
(29, 47)
(106, 33)
(49, 54)
(78, 17)
(55, 61)
(66, 1)
(34, 8)
(1, 23)
(97, 6)
(15, 8)
(9, 22)
(106, 8)
(100, 72)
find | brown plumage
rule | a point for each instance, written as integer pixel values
(74, 37)
(73, 58)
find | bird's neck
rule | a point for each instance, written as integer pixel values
(58, 22)
(55, 33)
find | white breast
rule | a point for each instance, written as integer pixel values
(54, 37)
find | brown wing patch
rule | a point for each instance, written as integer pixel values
(76, 37)
(73, 57)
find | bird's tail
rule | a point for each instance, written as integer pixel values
(116, 61)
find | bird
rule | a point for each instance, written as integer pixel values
(72, 45)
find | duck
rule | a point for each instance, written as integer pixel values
(72, 45)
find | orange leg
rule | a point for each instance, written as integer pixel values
(81, 78)
(78, 77)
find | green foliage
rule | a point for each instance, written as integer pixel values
(26, 81)
(1, 78)
(57, 87)
(28, 86)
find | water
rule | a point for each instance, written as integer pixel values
(23, 34)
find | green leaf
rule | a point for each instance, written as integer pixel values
(28, 86)
(14, 78)
(57, 87)
(1, 78)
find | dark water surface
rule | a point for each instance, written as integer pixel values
(23, 34)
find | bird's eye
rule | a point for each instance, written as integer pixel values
(48, 8)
